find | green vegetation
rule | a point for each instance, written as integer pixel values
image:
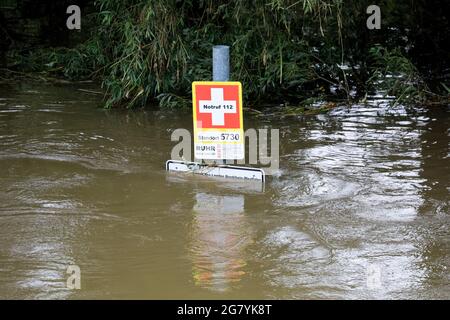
(283, 51)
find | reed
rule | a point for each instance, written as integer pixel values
(283, 51)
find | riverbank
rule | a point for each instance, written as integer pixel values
(284, 52)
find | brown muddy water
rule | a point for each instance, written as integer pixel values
(361, 194)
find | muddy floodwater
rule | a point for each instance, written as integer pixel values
(359, 207)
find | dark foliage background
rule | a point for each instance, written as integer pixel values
(288, 51)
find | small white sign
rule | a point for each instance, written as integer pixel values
(224, 171)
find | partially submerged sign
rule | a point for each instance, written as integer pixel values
(218, 122)
(218, 125)
(224, 171)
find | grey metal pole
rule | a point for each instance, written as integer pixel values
(221, 63)
(221, 69)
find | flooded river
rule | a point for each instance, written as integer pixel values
(359, 207)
